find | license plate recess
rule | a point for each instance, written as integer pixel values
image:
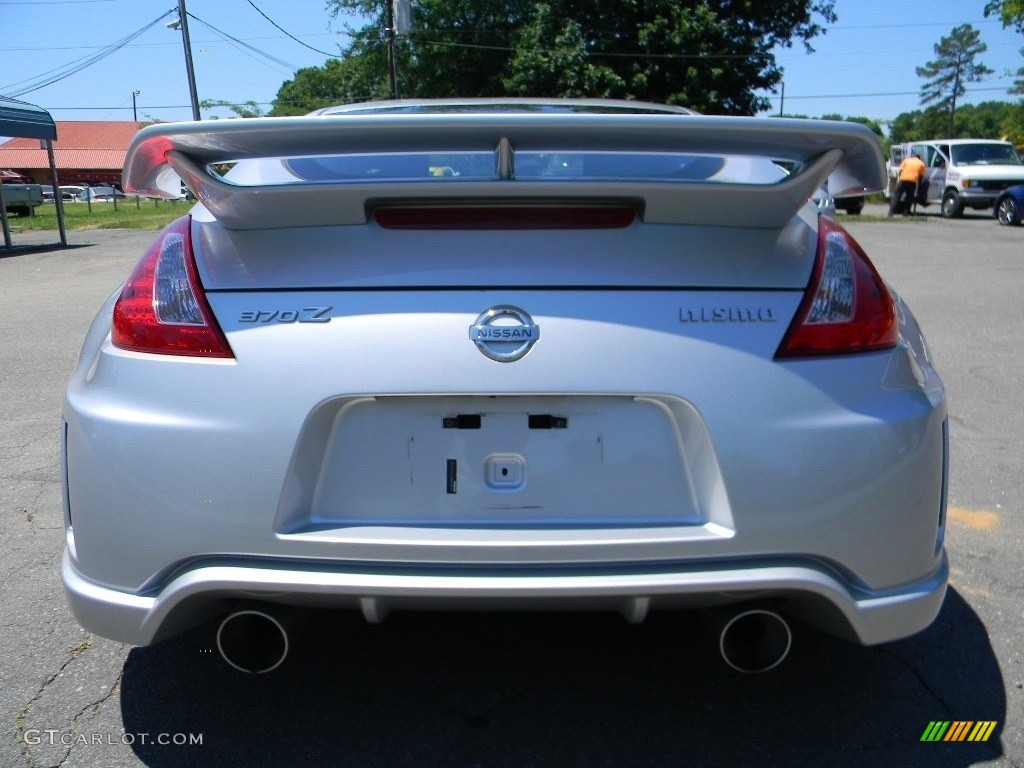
(515, 461)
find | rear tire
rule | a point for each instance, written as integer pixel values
(952, 208)
(1007, 212)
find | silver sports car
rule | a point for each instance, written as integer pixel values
(576, 355)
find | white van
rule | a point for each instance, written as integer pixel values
(961, 173)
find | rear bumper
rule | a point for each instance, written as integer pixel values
(804, 590)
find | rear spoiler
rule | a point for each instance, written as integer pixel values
(846, 154)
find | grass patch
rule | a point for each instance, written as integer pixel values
(143, 213)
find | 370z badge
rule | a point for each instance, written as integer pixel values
(304, 315)
(504, 333)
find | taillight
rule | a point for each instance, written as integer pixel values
(162, 308)
(847, 307)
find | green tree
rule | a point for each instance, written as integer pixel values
(1010, 12)
(954, 67)
(457, 48)
(712, 55)
(919, 124)
(1018, 84)
(987, 120)
(337, 81)
(874, 125)
(984, 120)
(1012, 127)
(245, 109)
(551, 58)
(904, 127)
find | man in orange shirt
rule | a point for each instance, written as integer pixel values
(910, 175)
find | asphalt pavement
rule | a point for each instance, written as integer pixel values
(522, 690)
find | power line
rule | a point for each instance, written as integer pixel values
(120, 107)
(911, 25)
(86, 61)
(887, 93)
(682, 56)
(53, 2)
(879, 94)
(224, 35)
(138, 45)
(101, 48)
(289, 34)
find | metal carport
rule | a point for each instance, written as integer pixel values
(21, 120)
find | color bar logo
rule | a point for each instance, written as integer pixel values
(959, 730)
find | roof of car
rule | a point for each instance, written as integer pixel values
(483, 105)
(957, 142)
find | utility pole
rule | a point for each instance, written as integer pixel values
(183, 22)
(135, 112)
(392, 70)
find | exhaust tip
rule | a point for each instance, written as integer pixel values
(755, 640)
(253, 640)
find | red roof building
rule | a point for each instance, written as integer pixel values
(86, 152)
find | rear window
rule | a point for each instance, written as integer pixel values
(455, 167)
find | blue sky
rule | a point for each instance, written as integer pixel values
(863, 66)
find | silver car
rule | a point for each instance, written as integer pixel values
(568, 355)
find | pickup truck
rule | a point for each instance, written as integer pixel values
(960, 173)
(22, 199)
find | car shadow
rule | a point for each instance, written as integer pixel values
(563, 690)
